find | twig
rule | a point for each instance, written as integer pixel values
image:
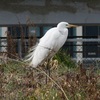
(54, 82)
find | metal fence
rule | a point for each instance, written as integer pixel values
(86, 51)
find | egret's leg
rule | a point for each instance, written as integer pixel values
(47, 70)
(48, 67)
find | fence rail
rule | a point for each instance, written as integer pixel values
(86, 51)
(83, 40)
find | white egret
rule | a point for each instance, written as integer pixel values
(49, 44)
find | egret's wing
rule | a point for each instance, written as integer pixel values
(40, 55)
(50, 38)
(46, 48)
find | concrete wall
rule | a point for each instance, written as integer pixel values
(82, 14)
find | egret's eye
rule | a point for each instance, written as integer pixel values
(66, 25)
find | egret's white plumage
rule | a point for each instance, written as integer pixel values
(49, 44)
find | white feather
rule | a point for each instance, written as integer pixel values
(49, 44)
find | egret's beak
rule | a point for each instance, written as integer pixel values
(71, 25)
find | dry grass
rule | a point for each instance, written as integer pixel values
(18, 82)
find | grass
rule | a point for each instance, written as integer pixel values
(21, 83)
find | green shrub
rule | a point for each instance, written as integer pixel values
(65, 59)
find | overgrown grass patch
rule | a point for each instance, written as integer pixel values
(18, 82)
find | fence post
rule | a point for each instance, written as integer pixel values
(79, 48)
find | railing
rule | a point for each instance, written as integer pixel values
(83, 40)
(80, 45)
(85, 47)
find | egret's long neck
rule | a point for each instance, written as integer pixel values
(61, 29)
